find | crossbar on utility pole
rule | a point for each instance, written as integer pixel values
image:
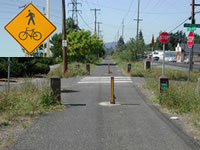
(64, 41)
(95, 19)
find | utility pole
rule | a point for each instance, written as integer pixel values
(138, 19)
(43, 46)
(64, 35)
(99, 29)
(95, 19)
(75, 10)
(48, 41)
(118, 36)
(123, 28)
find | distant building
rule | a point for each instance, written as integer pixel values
(182, 52)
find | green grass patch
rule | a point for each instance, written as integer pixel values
(74, 70)
(137, 70)
(181, 97)
(28, 100)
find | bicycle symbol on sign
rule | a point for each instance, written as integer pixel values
(35, 35)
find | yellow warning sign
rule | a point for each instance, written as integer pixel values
(30, 28)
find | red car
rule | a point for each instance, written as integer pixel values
(149, 56)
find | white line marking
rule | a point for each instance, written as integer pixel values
(105, 80)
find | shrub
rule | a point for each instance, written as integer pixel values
(40, 68)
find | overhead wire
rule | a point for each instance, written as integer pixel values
(84, 21)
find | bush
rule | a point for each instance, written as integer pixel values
(40, 68)
(59, 60)
(43, 60)
(21, 67)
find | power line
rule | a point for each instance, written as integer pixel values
(84, 21)
(179, 25)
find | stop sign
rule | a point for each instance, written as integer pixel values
(164, 37)
(190, 40)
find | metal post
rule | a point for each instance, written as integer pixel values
(112, 99)
(8, 73)
(163, 63)
(43, 45)
(189, 65)
(48, 41)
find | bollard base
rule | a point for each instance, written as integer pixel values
(55, 85)
(147, 64)
(129, 68)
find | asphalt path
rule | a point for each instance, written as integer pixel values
(90, 123)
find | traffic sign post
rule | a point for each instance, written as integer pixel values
(30, 28)
(190, 43)
(164, 37)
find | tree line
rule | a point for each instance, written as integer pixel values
(82, 45)
(135, 49)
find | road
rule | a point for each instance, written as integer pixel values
(178, 65)
(90, 123)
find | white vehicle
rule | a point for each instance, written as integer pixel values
(158, 54)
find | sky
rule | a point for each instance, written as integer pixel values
(156, 15)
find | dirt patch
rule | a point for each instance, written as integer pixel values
(9, 131)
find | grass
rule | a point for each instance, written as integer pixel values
(137, 70)
(182, 97)
(73, 70)
(28, 100)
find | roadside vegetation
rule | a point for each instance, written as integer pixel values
(182, 97)
(74, 70)
(28, 100)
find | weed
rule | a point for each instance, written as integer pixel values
(5, 124)
(73, 71)
(30, 99)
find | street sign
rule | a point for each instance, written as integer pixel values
(190, 40)
(191, 29)
(192, 25)
(164, 37)
(30, 28)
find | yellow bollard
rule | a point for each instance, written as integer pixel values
(112, 99)
(108, 68)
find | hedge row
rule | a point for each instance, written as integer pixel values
(25, 67)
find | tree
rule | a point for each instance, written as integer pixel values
(120, 43)
(84, 47)
(71, 26)
(56, 47)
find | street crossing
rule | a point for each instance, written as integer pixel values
(105, 79)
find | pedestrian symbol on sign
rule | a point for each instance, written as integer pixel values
(31, 15)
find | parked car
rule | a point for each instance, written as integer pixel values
(172, 59)
(149, 56)
(156, 58)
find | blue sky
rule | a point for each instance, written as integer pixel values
(157, 15)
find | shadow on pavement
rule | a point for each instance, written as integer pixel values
(74, 105)
(69, 91)
(105, 64)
